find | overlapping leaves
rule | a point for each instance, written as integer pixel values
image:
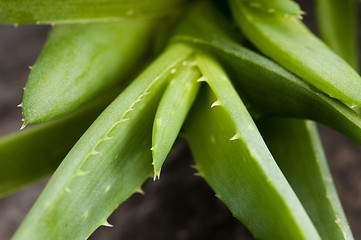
(114, 156)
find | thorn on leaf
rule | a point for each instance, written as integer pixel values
(106, 224)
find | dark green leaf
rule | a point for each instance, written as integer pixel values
(297, 148)
(243, 173)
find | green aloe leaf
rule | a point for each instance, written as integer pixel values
(284, 7)
(267, 88)
(81, 11)
(233, 158)
(34, 153)
(337, 26)
(78, 62)
(291, 44)
(107, 165)
(172, 111)
(297, 148)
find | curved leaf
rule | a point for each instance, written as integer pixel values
(232, 156)
(78, 62)
(297, 148)
(291, 44)
(171, 113)
(267, 88)
(108, 164)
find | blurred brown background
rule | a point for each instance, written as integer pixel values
(179, 205)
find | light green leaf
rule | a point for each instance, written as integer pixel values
(297, 148)
(233, 158)
(31, 154)
(172, 111)
(82, 11)
(291, 44)
(337, 26)
(283, 7)
(267, 88)
(107, 165)
(78, 62)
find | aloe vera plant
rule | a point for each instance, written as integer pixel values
(232, 93)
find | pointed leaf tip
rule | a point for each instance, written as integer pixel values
(23, 125)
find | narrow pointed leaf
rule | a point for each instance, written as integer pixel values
(31, 154)
(108, 164)
(283, 7)
(297, 148)
(232, 156)
(81, 11)
(249, 183)
(267, 88)
(337, 26)
(172, 111)
(291, 44)
(78, 62)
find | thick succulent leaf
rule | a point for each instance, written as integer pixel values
(80, 61)
(172, 111)
(337, 26)
(267, 88)
(108, 164)
(252, 188)
(81, 11)
(291, 44)
(283, 7)
(296, 146)
(233, 158)
(34, 153)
